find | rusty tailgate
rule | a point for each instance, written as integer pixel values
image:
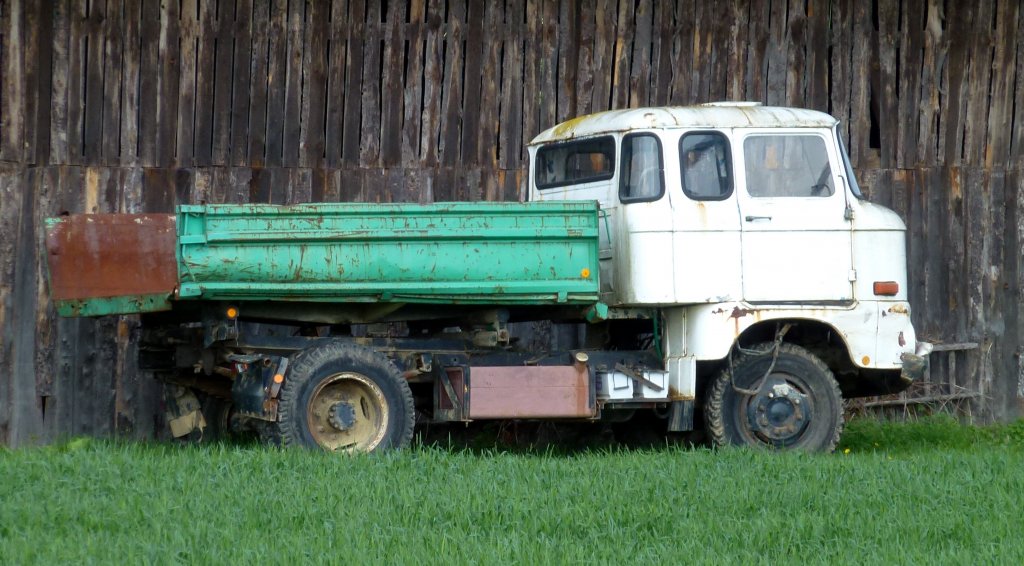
(111, 263)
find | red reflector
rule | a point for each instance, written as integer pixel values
(888, 288)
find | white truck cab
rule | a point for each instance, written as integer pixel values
(745, 227)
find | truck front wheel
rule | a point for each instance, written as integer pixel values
(346, 398)
(793, 404)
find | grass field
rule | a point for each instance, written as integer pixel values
(916, 493)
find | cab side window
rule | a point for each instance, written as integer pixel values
(787, 166)
(642, 177)
(576, 162)
(705, 166)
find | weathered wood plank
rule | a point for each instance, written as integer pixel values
(315, 69)
(486, 148)
(932, 64)
(604, 59)
(187, 84)
(128, 134)
(277, 84)
(206, 82)
(531, 72)
(997, 143)
(475, 13)
(621, 58)
(46, 321)
(911, 33)
(757, 54)
(640, 65)
(510, 123)
(392, 92)
(59, 124)
(260, 80)
(661, 56)
(223, 78)
(92, 136)
(369, 150)
(109, 149)
(353, 85)
(841, 72)
(352, 185)
(150, 87)
(888, 18)
(796, 40)
(816, 74)
(737, 49)
(167, 105)
(979, 77)
(568, 55)
(960, 19)
(36, 80)
(76, 81)
(433, 77)
(25, 419)
(548, 100)
(584, 87)
(1017, 140)
(451, 124)
(778, 54)
(977, 248)
(11, 196)
(337, 48)
(717, 80)
(412, 103)
(954, 244)
(860, 101)
(241, 95)
(293, 86)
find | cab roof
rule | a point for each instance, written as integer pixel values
(710, 115)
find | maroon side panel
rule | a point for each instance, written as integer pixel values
(111, 255)
(529, 392)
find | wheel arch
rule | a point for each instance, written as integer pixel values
(743, 325)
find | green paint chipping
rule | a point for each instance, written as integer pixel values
(443, 253)
(102, 306)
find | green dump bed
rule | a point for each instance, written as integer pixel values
(445, 253)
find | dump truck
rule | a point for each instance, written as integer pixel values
(716, 263)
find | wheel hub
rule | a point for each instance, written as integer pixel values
(342, 416)
(780, 412)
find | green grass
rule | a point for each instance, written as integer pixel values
(915, 493)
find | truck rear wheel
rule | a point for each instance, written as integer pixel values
(345, 398)
(797, 405)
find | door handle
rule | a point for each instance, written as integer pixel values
(753, 218)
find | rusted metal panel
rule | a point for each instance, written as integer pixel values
(530, 392)
(111, 263)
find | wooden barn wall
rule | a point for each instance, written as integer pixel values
(138, 105)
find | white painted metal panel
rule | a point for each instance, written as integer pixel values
(794, 248)
(706, 237)
(643, 254)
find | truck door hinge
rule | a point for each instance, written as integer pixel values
(853, 275)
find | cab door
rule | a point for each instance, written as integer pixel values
(796, 233)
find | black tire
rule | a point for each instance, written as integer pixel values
(343, 397)
(800, 408)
